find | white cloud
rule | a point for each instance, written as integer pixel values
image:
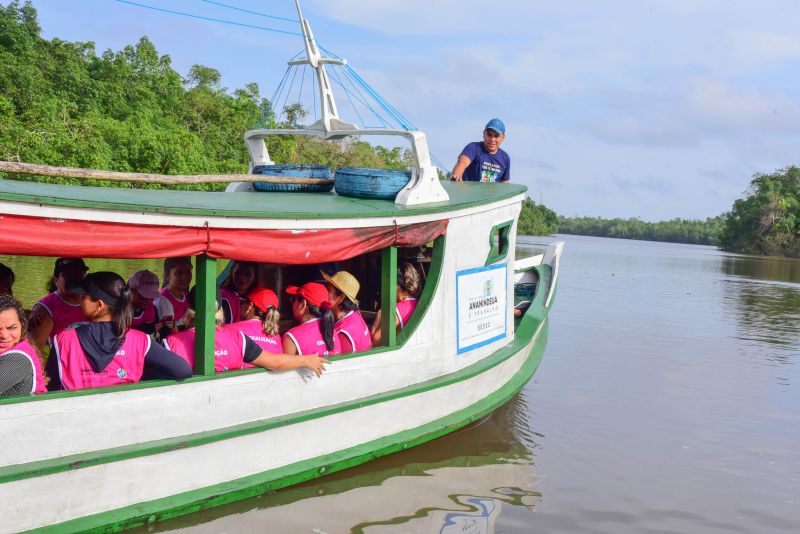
(760, 47)
(732, 109)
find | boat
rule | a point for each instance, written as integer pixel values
(118, 457)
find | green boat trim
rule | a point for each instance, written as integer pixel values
(258, 205)
(253, 485)
(531, 322)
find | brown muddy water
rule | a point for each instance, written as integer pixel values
(668, 400)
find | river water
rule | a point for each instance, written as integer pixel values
(668, 400)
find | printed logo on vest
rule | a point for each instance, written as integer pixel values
(122, 373)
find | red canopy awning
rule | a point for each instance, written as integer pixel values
(34, 236)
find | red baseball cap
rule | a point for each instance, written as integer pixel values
(263, 298)
(313, 292)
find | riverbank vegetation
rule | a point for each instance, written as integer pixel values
(767, 220)
(536, 219)
(63, 104)
(694, 232)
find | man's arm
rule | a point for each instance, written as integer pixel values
(40, 325)
(461, 165)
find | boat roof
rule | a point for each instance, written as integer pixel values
(248, 204)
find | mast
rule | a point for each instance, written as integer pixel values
(317, 61)
(424, 186)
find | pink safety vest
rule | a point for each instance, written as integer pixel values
(76, 372)
(352, 332)
(64, 314)
(146, 316)
(228, 348)
(24, 347)
(252, 328)
(178, 306)
(232, 299)
(307, 337)
(404, 310)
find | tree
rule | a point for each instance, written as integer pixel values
(767, 219)
(63, 104)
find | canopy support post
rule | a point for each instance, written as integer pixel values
(206, 308)
(388, 296)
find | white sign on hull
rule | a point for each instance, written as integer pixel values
(481, 310)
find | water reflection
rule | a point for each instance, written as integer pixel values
(766, 302)
(459, 483)
(762, 267)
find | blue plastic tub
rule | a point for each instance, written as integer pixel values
(370, 183)
(295, 171)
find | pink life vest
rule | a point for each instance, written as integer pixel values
(178, 306)
(352, 332)
(252, 328)
(76, 372)
(307, 338)
(228, 348)
(232, 298)
(404, 310)
(24, 347)
(64, 314)
(145, 317)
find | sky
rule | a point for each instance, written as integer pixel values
(621, 108)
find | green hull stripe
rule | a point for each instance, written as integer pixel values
(530, 322)
(253, 485)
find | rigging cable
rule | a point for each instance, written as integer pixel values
(208, 18)
(262, 122)
(286, 98)
(248, 11)
(361, 99)
(336, 78)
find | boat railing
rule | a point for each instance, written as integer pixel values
(424, 186)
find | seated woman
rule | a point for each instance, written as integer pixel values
(233, 350)
(173, 303)
(241, 281)
(106, 351)
(407, 288)
(144, 290)
(314, 316)
(350, 327)
(60, 308)
(259, 319)
(20, 368)
(6, 280)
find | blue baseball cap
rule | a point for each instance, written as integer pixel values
(496, 125)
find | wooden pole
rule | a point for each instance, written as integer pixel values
(168, 179)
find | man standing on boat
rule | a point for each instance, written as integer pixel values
(485, 161)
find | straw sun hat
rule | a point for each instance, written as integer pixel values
(344, 282)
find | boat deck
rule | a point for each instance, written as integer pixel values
(259, 204)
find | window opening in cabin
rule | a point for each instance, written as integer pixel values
(166, 293)
(499, 239)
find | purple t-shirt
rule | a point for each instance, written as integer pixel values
(485, 167)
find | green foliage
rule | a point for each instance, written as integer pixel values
(61, 104)
(767, 220)
(694, 232)
(536, 219)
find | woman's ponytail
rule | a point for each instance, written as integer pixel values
(325, 313)
(326, 324)
(122, 313)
